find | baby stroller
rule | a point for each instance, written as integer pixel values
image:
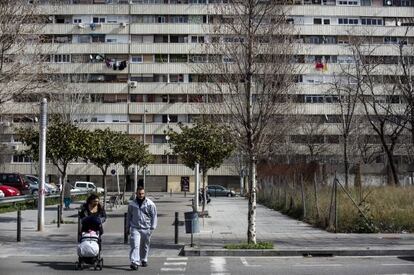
(89, 247)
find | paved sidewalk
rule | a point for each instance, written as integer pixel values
(227, 224)
(63, 240)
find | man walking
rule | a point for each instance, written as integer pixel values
(142, 221)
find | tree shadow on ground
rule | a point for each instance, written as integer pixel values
(72, 266)
(54, 265)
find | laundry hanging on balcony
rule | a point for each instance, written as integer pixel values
(321, 66)
(116, 65)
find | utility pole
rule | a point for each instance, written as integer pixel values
(144, 169)
(42, 165)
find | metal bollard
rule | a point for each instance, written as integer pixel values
(185, 194)
(170, 192)
(79, 227)
(19, 225)
(125, 228)
(176, 222)
(58, 216)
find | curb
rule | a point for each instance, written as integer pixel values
(197, 252)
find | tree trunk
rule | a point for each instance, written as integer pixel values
(315, 188)
(391, 165)
(302, 191)
(251, 230)
(346, 162)
(104, 170)
(358, 180)
(63, 181)
(204, 191)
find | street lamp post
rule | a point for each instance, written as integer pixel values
(42, 165)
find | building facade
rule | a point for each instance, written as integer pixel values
(134, 61)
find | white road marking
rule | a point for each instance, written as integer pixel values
(175, 263)
(317, 265)
(178, 259)
(166, 269)
(245, 263)
(218, 265)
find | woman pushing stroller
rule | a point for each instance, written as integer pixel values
(92, 207)
(91, 215)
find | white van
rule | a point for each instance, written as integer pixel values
(87, 186)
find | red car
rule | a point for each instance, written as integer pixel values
(9, 191)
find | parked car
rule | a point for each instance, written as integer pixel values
(9, 191)
(17, 181)
(34, 189)
(50, 188)
(86, 186)
(218, 190)
(2, 194)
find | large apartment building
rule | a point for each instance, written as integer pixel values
(135, 63)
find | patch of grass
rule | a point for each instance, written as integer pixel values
(386, 209)
(259, 245)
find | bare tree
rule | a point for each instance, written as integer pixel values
(250, 64)
(345, 97)
(405, 82)
(22, 66)
(313, 133)
(376, 94)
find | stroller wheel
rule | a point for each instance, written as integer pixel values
(78, 266)
(100, 264)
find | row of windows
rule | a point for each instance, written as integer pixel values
(175, 38)
(385, 3)
(184, 58)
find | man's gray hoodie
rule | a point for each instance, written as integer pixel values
(144, 217)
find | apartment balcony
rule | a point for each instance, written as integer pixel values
(165, 48)
(152, 128)
(340, 49)
(84, 28)
(124, 9)
(357, 30)
(84, 48)
(185, 28)
(176, 108)
(84, 9)
(328, 11)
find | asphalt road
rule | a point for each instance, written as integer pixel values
(217, 265)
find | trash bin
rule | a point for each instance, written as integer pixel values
(191, 222)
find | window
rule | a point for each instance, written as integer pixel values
(77, 20)
(317, 21)
(348, 21)
(326, 21)
(348, 2)
(174, 78)
(60, 58)
(98, 20)
(98, 38)
(372, 21)
(136, 59)
(197, 39)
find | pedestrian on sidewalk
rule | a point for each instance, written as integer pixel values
(67, 199)
(93, 207)
(142, 221)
